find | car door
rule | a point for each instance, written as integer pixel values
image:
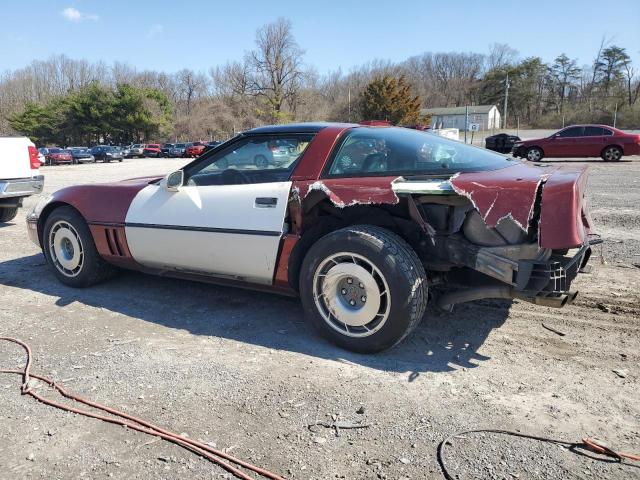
(225, 220)
(592, 142)
(564, 143)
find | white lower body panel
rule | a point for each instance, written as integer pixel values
(245, 257)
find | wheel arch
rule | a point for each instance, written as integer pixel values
(617, 145)
(47, 211)
(529, 147)
(323, 217)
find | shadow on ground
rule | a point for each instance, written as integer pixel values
(442, 342)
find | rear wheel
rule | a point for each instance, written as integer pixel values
(8, 214)
(363, 287)
(69, 248)
(612, 154)
(534, 154)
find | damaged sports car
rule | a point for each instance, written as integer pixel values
(366, 224)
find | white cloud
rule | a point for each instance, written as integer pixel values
(154, 30)
(75, 15)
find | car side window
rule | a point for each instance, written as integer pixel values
(606, 132)
(571, 132)
(593, 131)
(252, 159)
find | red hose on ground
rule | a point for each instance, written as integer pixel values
(131, 422)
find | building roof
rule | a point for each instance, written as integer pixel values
(457, 110)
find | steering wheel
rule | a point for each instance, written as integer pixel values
(233, 176)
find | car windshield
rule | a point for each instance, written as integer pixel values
(167, 145)
(79, 150)
(180, 145)
(55, 150)
(137, 145)
(403, 151)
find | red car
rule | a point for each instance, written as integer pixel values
(360, 238)
(195, 149)
(152, 150)
(580, 141)
(57, 156)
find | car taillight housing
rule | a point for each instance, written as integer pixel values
(34, 161)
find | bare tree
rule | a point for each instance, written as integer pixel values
(501, 55)
(276, 67)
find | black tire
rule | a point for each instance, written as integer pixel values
(93, 268)
(534, 154)
(261, 161)
(611, 154)
(399, 267)
(8, 213)
(120, 160)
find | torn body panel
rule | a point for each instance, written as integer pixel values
(345, 192)
(513, 193)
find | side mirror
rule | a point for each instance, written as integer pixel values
(174, 180)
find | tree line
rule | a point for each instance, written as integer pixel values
(61, 100)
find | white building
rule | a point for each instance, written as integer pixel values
(487, 116)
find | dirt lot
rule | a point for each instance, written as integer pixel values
(242, 370)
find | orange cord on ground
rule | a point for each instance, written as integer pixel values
(215, 456)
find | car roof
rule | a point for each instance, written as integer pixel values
(310, 127)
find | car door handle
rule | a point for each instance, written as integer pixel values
(266, 202)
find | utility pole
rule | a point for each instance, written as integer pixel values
(349, 97)
(466, 122)
(506, 100)
(615, 115)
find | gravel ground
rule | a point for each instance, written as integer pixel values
(241, 369)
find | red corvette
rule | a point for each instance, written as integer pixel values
(580, 141)
(358, 221)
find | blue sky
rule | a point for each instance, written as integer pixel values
(197, 34)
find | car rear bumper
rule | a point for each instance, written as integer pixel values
(21, 187)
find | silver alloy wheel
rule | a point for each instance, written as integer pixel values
(612, 154)
(534, 155)
(351, 294)
(65, 248)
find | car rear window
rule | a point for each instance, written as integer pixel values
(402, 151)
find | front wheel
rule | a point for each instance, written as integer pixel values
(69, 249)
(534, 154)
(363, 287)
(612, 154)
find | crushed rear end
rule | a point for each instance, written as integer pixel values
(519, 232)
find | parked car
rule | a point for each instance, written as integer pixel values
(106, 153)
(501, 143)
(580, 141)
(210, 146)
(19, 174)
(195, 149)
(81, 155)
(137, 150)
(178, 150)
(151, 150)
(166, 149)
(57, 156)
(124, 150)
(358, 239)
